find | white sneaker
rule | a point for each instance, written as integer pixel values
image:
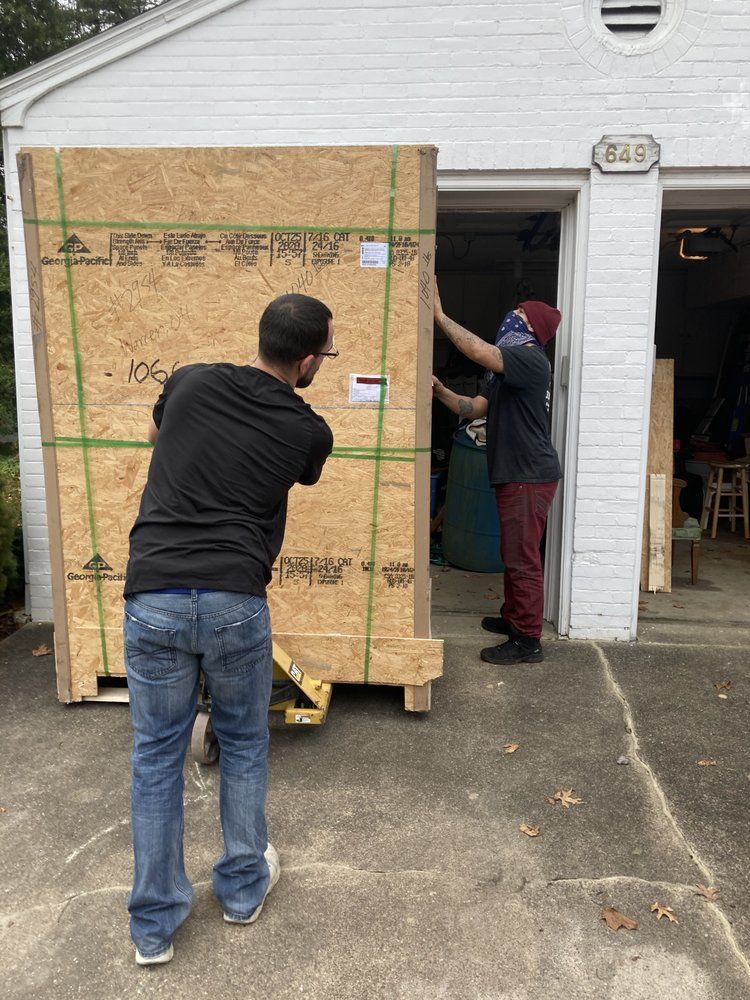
(274, 868)
(166, 956)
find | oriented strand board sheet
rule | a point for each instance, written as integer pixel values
(142, 260)
(660, 462)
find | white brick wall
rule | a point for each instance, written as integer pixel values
(497, 87)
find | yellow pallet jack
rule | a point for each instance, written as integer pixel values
(303, 701)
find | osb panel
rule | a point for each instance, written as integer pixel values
(660, 460)
(132, 291)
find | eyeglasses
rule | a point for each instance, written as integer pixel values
(328, 354)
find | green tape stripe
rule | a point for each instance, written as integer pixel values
(69, 442)
(377, 458)
(85, 443)
(382, 451)
(381, 414)
(213, 227)
(115, 443)
(81, 409)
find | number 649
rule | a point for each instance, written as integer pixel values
(626, 153)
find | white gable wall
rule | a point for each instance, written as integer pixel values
(497, 86)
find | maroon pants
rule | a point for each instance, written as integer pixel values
(523, 509)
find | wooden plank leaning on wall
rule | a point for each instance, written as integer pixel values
(660, 462)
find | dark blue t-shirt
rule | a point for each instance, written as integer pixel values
(519, 449)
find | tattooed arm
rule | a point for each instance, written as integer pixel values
(486, 355)
(468, 407)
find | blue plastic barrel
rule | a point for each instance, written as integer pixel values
(434, 487)
(471, 531)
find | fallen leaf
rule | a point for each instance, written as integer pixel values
(615, 920)
(566, 798)
(511, 747)
(707, 891)
(41, 651)
(530, 831)
(720, 685)
(664, 911)
(678, 605)
(491, 596)
(706, 763)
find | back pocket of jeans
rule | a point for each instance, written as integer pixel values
(149, 651)
(245, 644)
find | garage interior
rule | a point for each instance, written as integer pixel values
(703, 323)
(486, 263)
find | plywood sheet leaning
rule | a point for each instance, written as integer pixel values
(660, 462)
(142, 260)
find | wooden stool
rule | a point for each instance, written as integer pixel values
(715, 492)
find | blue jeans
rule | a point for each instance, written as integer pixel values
(169, 638)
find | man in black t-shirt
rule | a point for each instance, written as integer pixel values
(523, 465)
(230, 442)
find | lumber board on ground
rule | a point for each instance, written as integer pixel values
(148, 259)
(657, 530)
(660, 462)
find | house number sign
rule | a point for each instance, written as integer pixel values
(626, 153)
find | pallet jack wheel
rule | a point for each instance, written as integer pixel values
(203, 743)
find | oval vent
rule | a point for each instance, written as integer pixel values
(631, 20)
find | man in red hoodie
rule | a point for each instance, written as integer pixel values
(523, 465)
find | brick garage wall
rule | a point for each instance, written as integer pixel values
(507, 86)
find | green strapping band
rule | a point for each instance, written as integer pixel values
(216, 227)
(381, 414)
(369, 454)
(81, 413)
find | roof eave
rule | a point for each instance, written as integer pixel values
(20, 91)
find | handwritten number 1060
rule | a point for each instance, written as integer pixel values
(141, 371)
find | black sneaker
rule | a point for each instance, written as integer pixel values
(499, 626)
(518, 649)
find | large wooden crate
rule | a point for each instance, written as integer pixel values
(141, 260)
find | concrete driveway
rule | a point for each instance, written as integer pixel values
(405, 873)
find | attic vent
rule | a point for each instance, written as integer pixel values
(631, 20)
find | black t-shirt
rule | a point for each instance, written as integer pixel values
(519, 449)
(232, 442)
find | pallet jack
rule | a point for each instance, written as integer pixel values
(303, 701)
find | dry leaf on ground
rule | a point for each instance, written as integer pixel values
(530, 831)
(664, 911)
(678, 605)
(511, 747)
(566, 798)
(706, 763)
(720, 685)
(41, 651)
(708, 892)
(615, 920)
(491, 596)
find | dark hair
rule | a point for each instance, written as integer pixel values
(293, 326)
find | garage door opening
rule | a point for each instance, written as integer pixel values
(486, 264)
(703, 323)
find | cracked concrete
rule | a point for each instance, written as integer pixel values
(404, 871)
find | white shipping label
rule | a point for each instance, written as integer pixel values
(367, 388)
(373, 254)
